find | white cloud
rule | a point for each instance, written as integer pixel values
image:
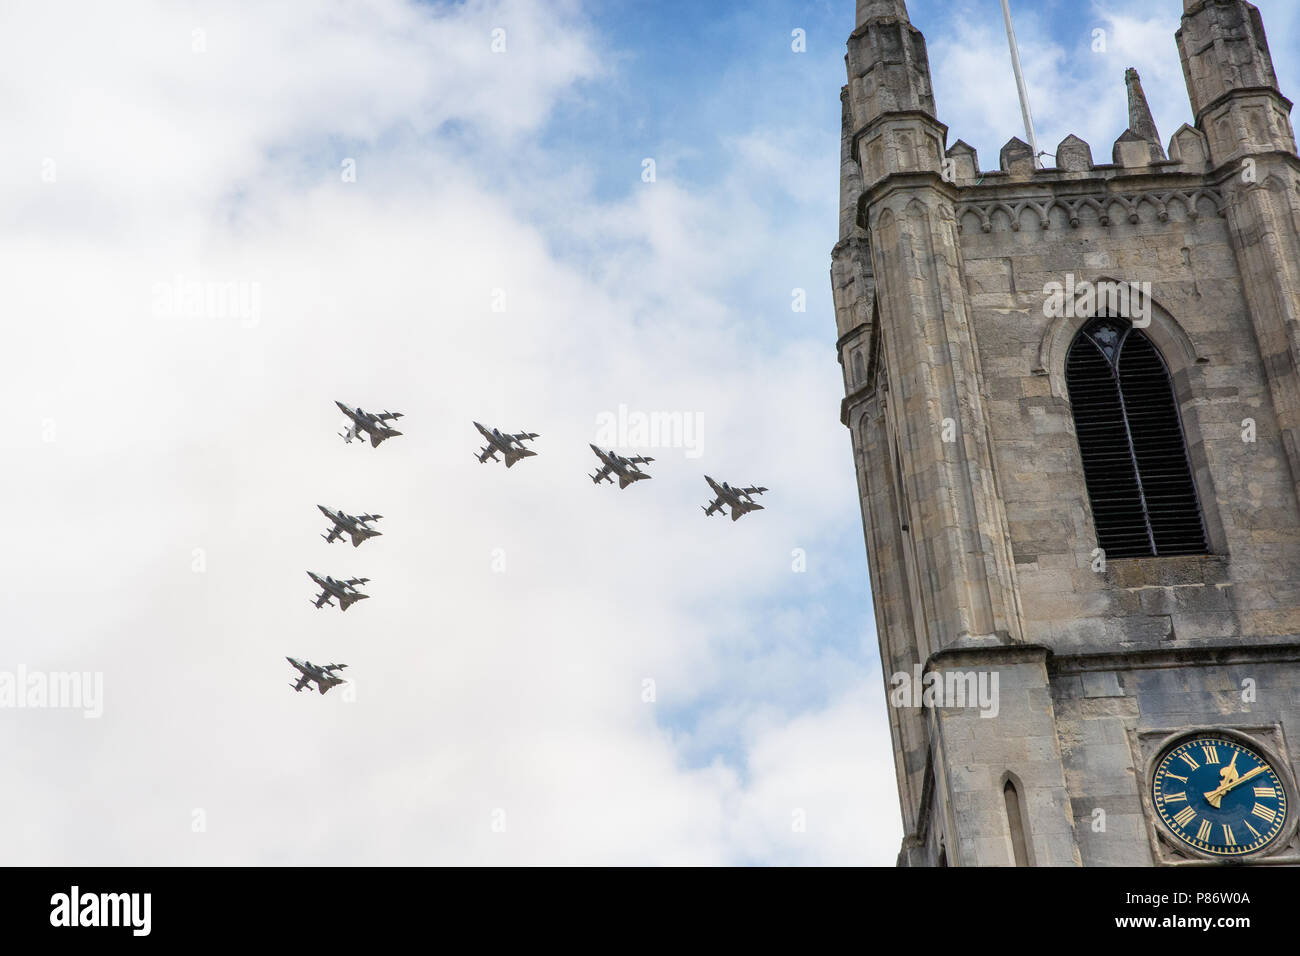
(476, 691)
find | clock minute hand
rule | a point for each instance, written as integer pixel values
(1214, 796)
(1230, 771)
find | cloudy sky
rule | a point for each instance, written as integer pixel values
(409, 218)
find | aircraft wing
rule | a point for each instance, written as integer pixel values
(752, 491)
(303, 681)
(602, 474)
(323, 598)
(514, 456)
(714, 507)
(351, 599)
(524, 436)
(335, 533)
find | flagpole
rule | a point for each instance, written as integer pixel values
(1020, 83)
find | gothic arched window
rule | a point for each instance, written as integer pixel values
(1016, 821)
(1135, 462)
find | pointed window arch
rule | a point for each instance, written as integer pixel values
(1016, 821)
(1135, 464)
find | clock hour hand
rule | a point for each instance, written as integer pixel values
(1229, 773)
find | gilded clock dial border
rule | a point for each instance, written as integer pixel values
(1209, 743)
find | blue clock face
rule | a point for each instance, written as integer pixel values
(1219, 796)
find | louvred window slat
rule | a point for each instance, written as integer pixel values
(1135, 463)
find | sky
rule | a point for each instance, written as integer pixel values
(223, 217)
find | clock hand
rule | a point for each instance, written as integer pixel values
(1230, 771)
(1215, 796)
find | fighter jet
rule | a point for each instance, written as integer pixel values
(739, 500)
(625, 468)
(345, 591)
(354, 525)
(510, 446)
(323, 676)
(369, 422)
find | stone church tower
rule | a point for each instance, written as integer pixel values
(1074, 400)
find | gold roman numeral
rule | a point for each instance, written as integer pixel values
(1264, 813)
(1228, 838)
(1185, 816)
(1211, 753)
(1203, 833)
(1174, 776)
(1265, 792)
(1175, 797)
(1187, 759)
(1252, 829)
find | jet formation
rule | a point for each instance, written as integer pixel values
(322, 675)
(511, 447)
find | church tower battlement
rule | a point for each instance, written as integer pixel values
(1074, 400)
